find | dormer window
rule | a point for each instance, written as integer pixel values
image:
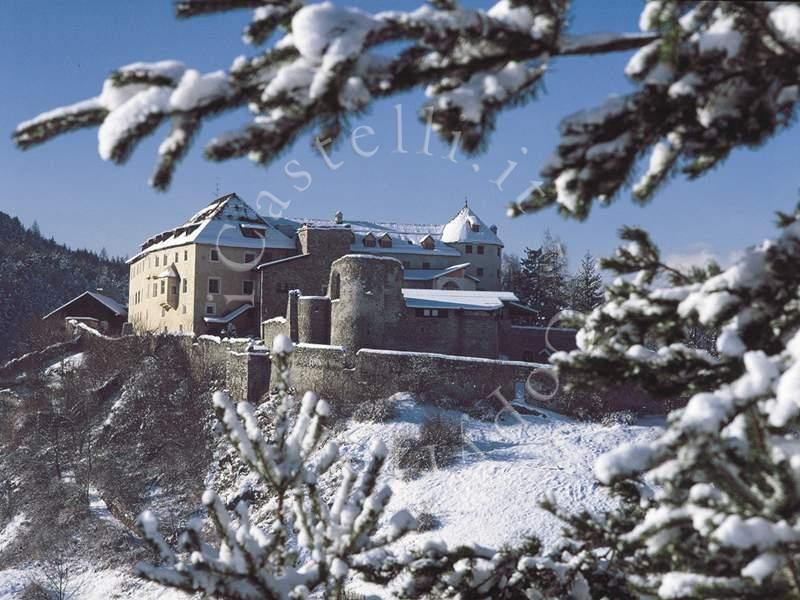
(386, 241)
(427, 243)
(369, 241)
(250, 230)
(475, 227)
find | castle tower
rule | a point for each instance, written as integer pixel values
(366, 300)
(478, 244)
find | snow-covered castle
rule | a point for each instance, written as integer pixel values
(432, 288)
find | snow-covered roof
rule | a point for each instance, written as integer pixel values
(431, 274)
(170, 271)
(230, 316)
(224, 222)
(467, 228)
(114, 306)
(406, 237)
(457, 299)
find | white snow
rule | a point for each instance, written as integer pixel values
(721, 36)
(9, 533)
(282, 345)
(133, 113)
(565, 196)
(490, 494)
(785, 18)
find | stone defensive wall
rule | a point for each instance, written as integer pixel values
(335, 374)
(243, 365)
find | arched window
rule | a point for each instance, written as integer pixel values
(450, 285)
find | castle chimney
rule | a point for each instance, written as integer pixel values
(494, 229)
(338, 217)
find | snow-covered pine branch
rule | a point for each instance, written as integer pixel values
(721, 75)
(725, 518)
(472, 63)
(307, 543)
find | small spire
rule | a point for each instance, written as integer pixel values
(466, 203)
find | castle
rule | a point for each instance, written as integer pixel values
(352, 284)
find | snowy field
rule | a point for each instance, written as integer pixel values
(490, 495)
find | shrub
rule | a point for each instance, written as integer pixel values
(427, 521)
(437, 445)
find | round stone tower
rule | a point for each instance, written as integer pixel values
(366, 300)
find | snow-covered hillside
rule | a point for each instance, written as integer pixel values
(491, 494)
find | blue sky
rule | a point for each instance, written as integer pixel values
(57, 53)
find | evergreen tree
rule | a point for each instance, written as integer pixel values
(544, 279)
(511, 273)
(35, 229)
(307, 543)
(586, 286)
(710, 77)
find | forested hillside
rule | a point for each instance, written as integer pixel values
(38, 275)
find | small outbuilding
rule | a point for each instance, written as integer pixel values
(93, 308)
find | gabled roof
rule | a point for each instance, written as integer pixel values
(111, 304)
(460, 230)
(230, 316)
(221, 223)
(457, 299)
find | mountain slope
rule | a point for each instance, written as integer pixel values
(38, 275)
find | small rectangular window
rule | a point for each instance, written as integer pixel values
(426, 265)
(185, 255)
(163, 286)
(165, 259)
(436, 313)
(480, 271)
(183, 310)
(247, 287)
(249, 257)
(176, 257)
(213, 285)
(211, 308)
(468, 248)
(185, 285)
(174, 289)
(214, 255)
(155, 290)
(480, 249)
(498, 251)
(156, 261)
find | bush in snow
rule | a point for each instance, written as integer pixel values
(438, 444)
(307, 542)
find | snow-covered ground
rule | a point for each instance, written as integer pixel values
(490, 495)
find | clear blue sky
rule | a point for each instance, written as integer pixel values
(56, 53)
